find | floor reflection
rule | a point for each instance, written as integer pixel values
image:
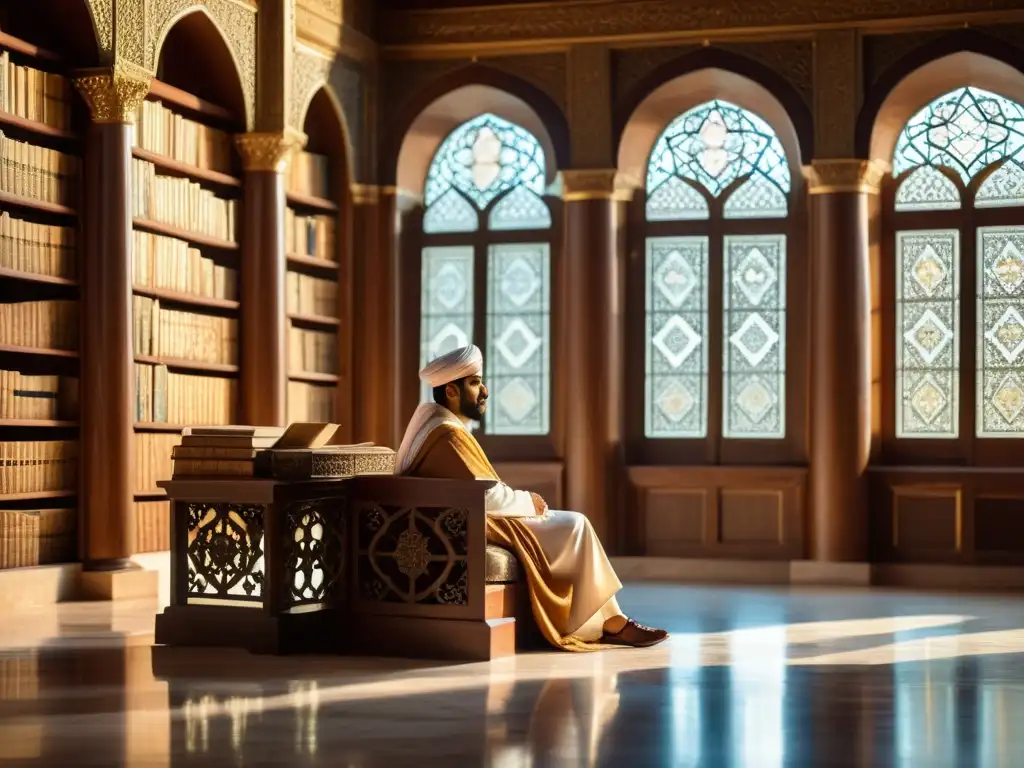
(757, 678)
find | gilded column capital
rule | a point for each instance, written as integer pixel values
(827, 177)
(269, 151)
(370, 194)
(115, 93)
(597, 184)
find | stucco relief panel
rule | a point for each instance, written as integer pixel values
(103, 20)
(310, 70)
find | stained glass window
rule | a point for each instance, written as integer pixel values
(451, 212)
(714, 144)
(999, 400)
(754, 347)
(676, 200)
(677, 351)
(927, 189)
(1003, 188)
(928, 324)
(483, 158)
(520, 209)
(967, 130)
(518, 339)
(446, 312)
(757, 198)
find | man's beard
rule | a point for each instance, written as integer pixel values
(471, 409)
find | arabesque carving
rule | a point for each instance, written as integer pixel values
(310, 70)
(269, 151)
(114, 94)
(826, 177)
(836, 92)
(103, 20)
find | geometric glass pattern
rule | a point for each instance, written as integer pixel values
(451, 213)
(518, 339)
(483, 158)
(754, 344)
(520, 209)
(1000, 366)
(446, 303)
(676, 375)
(966, 130)
(927, 189)
(1003, 188)
(927, 333)
(714, 144)
(676, 200)
(757, 198)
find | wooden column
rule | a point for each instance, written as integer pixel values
(840, 434)
(263, 386)
(592, 300)
(107, 384)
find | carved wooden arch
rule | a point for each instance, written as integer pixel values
(339, 113)
(427, 120)
(961, 59)
(240, 70)
(673, 97)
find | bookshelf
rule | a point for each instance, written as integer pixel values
(317, 279)
(186, 192)
(41, 149)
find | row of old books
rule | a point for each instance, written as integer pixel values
(42, 249)
(167, 133)
(37, 537)
(153, 459)
(38, 173)
(181, 203)
(221, 451)
(152, 526)
(162, 397)
(25, 396)
(170, 264)
(160, 332)
(306, 295)
(34, 95)
(310, 235)
(312, 351)
(50, 324)
(310, 402)
(309, 174)
(30, 466)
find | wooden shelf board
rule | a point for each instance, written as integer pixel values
(187, 365)
(33, 126)
(314, 378)
(156, 426)
(315, 203)
(186, 298)
(161, 91)
(151, 495)
(183, 234)
(6, 198)
(11, 348)
(325, 320)
(37, 423)
(37, 495)
(12, 43)
(297, 259)
(191, 171)
(32, 277)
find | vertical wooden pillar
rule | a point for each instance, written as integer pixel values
(263, 386)
(840, 435)
(107, 383)
(593, 301)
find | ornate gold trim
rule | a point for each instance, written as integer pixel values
(370, 194)
(269, 151)
(114, 94)
(829, 177)
(597, 184)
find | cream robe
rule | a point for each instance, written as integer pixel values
(572, 584)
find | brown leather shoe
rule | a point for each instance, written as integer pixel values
(635, 635)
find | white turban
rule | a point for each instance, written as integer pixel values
(457, 364)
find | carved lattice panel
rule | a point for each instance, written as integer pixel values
(413, 555)
(225, 552)
(315, 552)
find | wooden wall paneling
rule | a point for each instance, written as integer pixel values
(544, 478)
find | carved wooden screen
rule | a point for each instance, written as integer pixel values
(486, 273)
(954, 279)
(715, 293)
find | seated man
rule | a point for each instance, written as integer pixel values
(572, 584)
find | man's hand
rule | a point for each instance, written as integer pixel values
(539, 505)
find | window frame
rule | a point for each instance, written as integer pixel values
(967, 449)
(714, 449)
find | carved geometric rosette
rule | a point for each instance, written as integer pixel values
(412, 555)
(315, 547)
(225, 552)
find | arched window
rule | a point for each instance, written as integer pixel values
(715, 282)
(486, 267)
(955, 208)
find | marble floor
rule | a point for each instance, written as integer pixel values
(753, 677)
